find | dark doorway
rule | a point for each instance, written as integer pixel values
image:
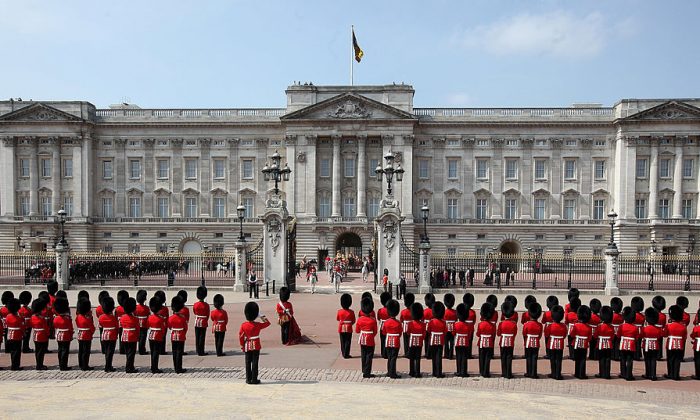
(322, 254)
(509, 256)
(349, 245)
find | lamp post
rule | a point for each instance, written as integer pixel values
(388, 171)
(650, 269)
(425, 211)
(62, 221)
(205, 248)
(274, 172)
(691, 248)
(241, 214)
(612, 216)
(569, 262)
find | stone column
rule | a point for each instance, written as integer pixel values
(311, 175)
(88, 168)
(177, 174)
(241, 265)
(233, 177)
(335, 197)
(496, 176)
(654, 180)
(678, 182)
(78, 177)
(62, 269)
(290, 141)
(56, 174)
(119, 169)
(424, 269)
(8, 187)
(149, 177)
(275, 221)
(361, 176)
(527, 176)
(34, 178)
(611, 270)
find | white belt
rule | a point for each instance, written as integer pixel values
(221, 321)
(142, 317)
(109, 328)
(57, 329)
(386, 341)
(461, 335)
(202, 316)
(365, 332)
(579, 339)
(416, 335)
(469, 322)
(18, 328)
(344, 322)
(177, 329)
(252, 338)
(84, 329)
(154, 329)
(128, 329)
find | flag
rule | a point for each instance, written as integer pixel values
(358, 51)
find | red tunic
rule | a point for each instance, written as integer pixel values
(581, 335)
(416, 333)
(141, 313)
(3, 314)
(570, 320)
(555, 333)
(471, 319)
(284, 308)
(567, 309)
(157, 325)
(392, 330)
(605, 333)
(686, 319)
(524, 318)
(486, 332)
(130, 328)
(405, 318)
(249, 335)
(371, 314)
(164, 312)
(662, 320)
(435, 332)
(185, 312)
(201, 314)
(462, 333)
(382, 315)
(99, 311)
(594, 322)
(650, 337)
(639, 320)
(450, 319)
(26, 314)
(695, 335)
(85, 326)
(532, 332)
(677, 334)
(346, 319)
(367, 328)
(118, 312)
(547, 318)
(427, 315)
(15, 327)
(178, 327)
(696, 320)
(616, 322)
(219, 320)
(40, 328)
(64, 327)
(507, 330)
(494, 317)
(108, 323)
(628, 334)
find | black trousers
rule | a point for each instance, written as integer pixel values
(200, 334)
(470, 355)
(219, 342)
(121, 343)
(178, 351)
(650, 358)
(143, 337)
(345, 342)
(154, 346)
(616, 349)
(638, 350)
(449, 345)
(436, 355)
(109, 347)
(580, 363)
(392, 354)
(673, 363)
(25, 340)
(405, 345)
(252, 290)
(382, 345)
(63, 351)
(604, 363)
(5, 339)
(593, 349)
(130, 351)
(414, 355)
(84, 347)
(507, 362)
(40, 352)
(696, 359)
(14, 347)
(555, 361)
(485, 356)
(461, 354)
(285, 331)
(162, 347)
(251, 366)
(531, 356)
(427, 348)
(367, 353)
(626, 361)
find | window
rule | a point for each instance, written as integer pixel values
(349, 168)
(451, 251)
(46, 205)
(106, 234)
(190, 168)
(134, 235)
(597, 237)
(640, 209)
(571, 142)
(373, 167)
(539, 209)
(372, 207)
(641, 168)
(687, 208)
(324, 205)
(482, 168)
(162, 234)
(480, 236)
(569, 169)
(107, 169)
(134, 169)
(107, 207)
(511, 169)
(324, 168)
(452, 210)
(349, 207)
(68, 204)
(247, 169)
(665, 168)
(134, 206)
(569, 209)
(24, 168)
(540, 172)
(163, 168)
(599, 169)
(452, 168)
(219, 207)
(663, 208)
(687, 168)
(191, 207)
(24, 205)
(423, 169)
(107, 249)
(598, 209)
(163, 207)
(511, 208)
(219, 170)
(134, 248)
(68, 168)
(480, 251)
(481, 208)
(249, 207)
(46, 168)
(452, 236)
(568, 237)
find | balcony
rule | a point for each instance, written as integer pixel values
(116, 115)
(541, 114)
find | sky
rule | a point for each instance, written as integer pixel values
(233, 54)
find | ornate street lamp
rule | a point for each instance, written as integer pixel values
(425, 211)
(389, 171)
(612, 216)
(274, 172)
(241, 214)
(62, 221)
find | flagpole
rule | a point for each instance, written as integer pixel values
(352, 54)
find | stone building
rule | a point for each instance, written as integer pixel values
(508, 179)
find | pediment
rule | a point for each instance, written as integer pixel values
(39, 112)
(190, 191)
(511, 191)
(667, 111)
(246, 191)
(540, 191)
(570, 191)
(134, 191)
(453, 191)
(600, 191)
(218, 191)
(106, 191)
(423, 191)
(161, 191)
(348, 106)
(482, 191)
(666, 191)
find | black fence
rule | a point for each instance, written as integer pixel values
(25, 268)
(666, 272)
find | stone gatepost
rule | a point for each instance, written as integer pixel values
(241, 265)
(275, 221)
(424, 269)
(611, 269)
(62, 269)
(388, 224)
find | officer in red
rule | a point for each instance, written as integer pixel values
(406, 318)
(695, 335)
(285, 312)
(486, 333)
(219, 321)
(367, 328)
(637, 304)
(462, 332)
(178, 332)
(552, 301)
(141, 313)
(493, 300)
(346, 319)
(450, 320)
(435, 334)
(130, 333)
(556, 335)
(51, 289)
(595, 305)
(675, 342)
(25, 312)
(40, 332)
(682, 302)
(392, 330)
(4, 311)
(157, 326)
(526, 315)
(650, 343)
(416, 335)
(571, 294)
(249, 339)
(86, 329)
(201, 320)
(468, 300)
(507, 330)
(63, 325)
(532, 333)
(659, 303)
(580, 336)
(383, 315)
(617, 321)
(367, 295)
(185, 310)
(15, 332)
(628, 334)
(165, 314)
(429, 300)
(109, 325)
(122, 296)
(604, 335)
(571, 318)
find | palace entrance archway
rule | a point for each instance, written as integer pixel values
(349, 244)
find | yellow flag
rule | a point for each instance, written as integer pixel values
(358, 51)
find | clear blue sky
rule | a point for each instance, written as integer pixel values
(245, 53)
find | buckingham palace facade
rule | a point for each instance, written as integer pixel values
(505, 179)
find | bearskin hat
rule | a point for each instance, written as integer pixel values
(486, 311)
(384, 297)
(513, 301)
(507, 309)
(659, 303)
(122, 295)
(595, 305)
(218, 301)
(44, 295)
(493, 300)
(60, 305)
(682, 301)
(449, 300)
(535, 311)
(583, 314)
(141, 296)
(366, 295)
(616, 304)
(629, 315)
(25, 297)
(652, 316)
(606, 314)
(367, 305)
(251, 310)
(393, 308)
(574, 304)
(13, 305)
(462, 312)
(468, 300)
(202, 292)
(637, 304)
(530, 299)
(83, 294)
(62, 294)
(345, 301)
(408, 299)
(573, 293)
(155, 305)
(160, 295)
(417, 311)
(284, 294)
(183, 295)
(129, 305)
(675, 312)
(429, 300)
(108, 304)
(552, 301)
(101, 296)
(83, 306)
(557, 313)
(438, 310)
(38, 305)
(6, 296)
(177, 304)
(52, 287)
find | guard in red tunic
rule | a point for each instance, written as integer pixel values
(4, 311)
(507, 330)
(367, 328)
(556, 335)
(25, 312)
(185, 310)
(429, 300)
(571, 318)
(383, 315)
(219, 321)
(526, 315)
(51, 289)
(416, 335)
(573, 293)
(109, 324)
(695, 335)
(40, 332)
(201, 320)
(285, 312)
(165, 313)
(628, 334)
(595, 306)
(552, 301)
(450, 319)
(392, 330)
(637, 304)
(675, 342)
(580, 338)
(366, 295)
(86, 329)
(650, 343)
(435, 334)
(178, 332)
(141, 313)
(98, 313)
(682, 302)
(462, 332)
(493, 300)
(468, 300)
(122, 296)
(249, 338)
(157, 326)
(532, 333)
(406, 318)
(486, 333)
(63, 324)
(15, 332)
(130, 333)
(604, 335)
(346, 319)
(617, 321)
(659, 303)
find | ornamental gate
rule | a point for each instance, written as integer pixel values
(254, 261)
(409, 263)
(292, 256)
